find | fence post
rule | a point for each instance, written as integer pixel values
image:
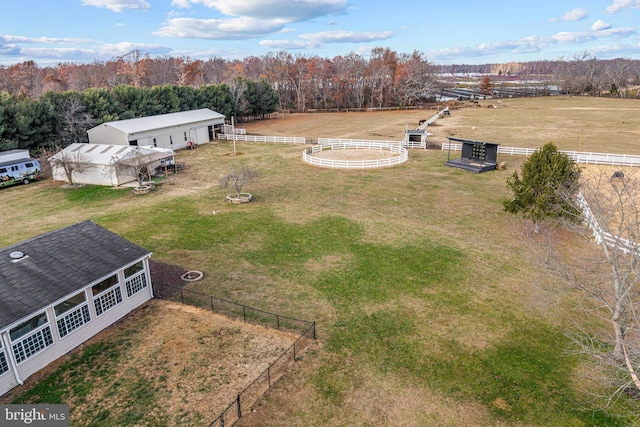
(239, 410)
(181, 296)
(269, 376)
(244, 313)
(314, 329)
(278, 320)
(211, 298)
(294, 352)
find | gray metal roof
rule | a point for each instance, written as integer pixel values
(160, 121)
(57, 264)
(106, 154)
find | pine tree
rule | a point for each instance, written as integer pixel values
(548, 183)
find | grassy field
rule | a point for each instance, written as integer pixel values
(425, 299)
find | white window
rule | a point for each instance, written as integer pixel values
(31, 337)
(4, 366)
(106, 294)
(72, 314)
(135, 278)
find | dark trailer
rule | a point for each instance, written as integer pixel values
(477, 156)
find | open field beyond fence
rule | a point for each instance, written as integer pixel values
(424, 296)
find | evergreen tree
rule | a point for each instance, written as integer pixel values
(548, 183)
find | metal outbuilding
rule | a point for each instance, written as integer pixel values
(173, 130)
(99, 162)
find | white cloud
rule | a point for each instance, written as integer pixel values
(118, 5)
(600, 25)
(573, 15)
(535, 44)
(291, 11)
(619, 5)
(247, 18)
(287, 44)
(314, 40)
(52, 50)
(118, 49)
(342, 36)
(24, 40)
(219, 29)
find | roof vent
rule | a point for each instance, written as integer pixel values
(17, 256)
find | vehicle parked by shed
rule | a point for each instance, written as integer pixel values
(17, 167)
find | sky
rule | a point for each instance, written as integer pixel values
(50, 32)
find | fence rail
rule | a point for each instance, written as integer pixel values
(250, 395)
(624, 245)
(261, 138)
(580, 157)
(399, 154)
(334, 141)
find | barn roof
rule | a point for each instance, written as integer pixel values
(160, 121)
(57, 264)
(104, 154)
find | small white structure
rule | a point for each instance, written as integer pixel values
(415, 138)
(173, 130)
(11, 155)
(59, 289)
(98, 162)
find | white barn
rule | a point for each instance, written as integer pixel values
(99, 162)
(61, 288)
(173, 130)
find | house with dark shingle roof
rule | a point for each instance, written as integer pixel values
(61, 288)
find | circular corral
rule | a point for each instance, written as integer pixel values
(355, 155)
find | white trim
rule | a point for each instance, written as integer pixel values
(13, 364)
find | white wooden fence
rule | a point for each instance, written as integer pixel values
(577, 156)
(401, 157)
(260, 138)
(625, 245)
(330, 141)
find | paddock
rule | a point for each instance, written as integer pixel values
(355, 155)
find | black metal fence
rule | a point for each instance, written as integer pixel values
(250, 395)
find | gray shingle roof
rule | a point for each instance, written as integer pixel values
(58, 263)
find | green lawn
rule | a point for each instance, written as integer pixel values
(420, 283)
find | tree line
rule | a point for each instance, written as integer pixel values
(384, 78)
(582, 74)
(57, 119)
(40, 106)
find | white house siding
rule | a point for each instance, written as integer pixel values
(7, 379)
(62, 346)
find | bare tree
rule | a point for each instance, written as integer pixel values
(619, 74)
(75, 120)
(71, 162)
(605, 271)
(238, 177)
(134, 164)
